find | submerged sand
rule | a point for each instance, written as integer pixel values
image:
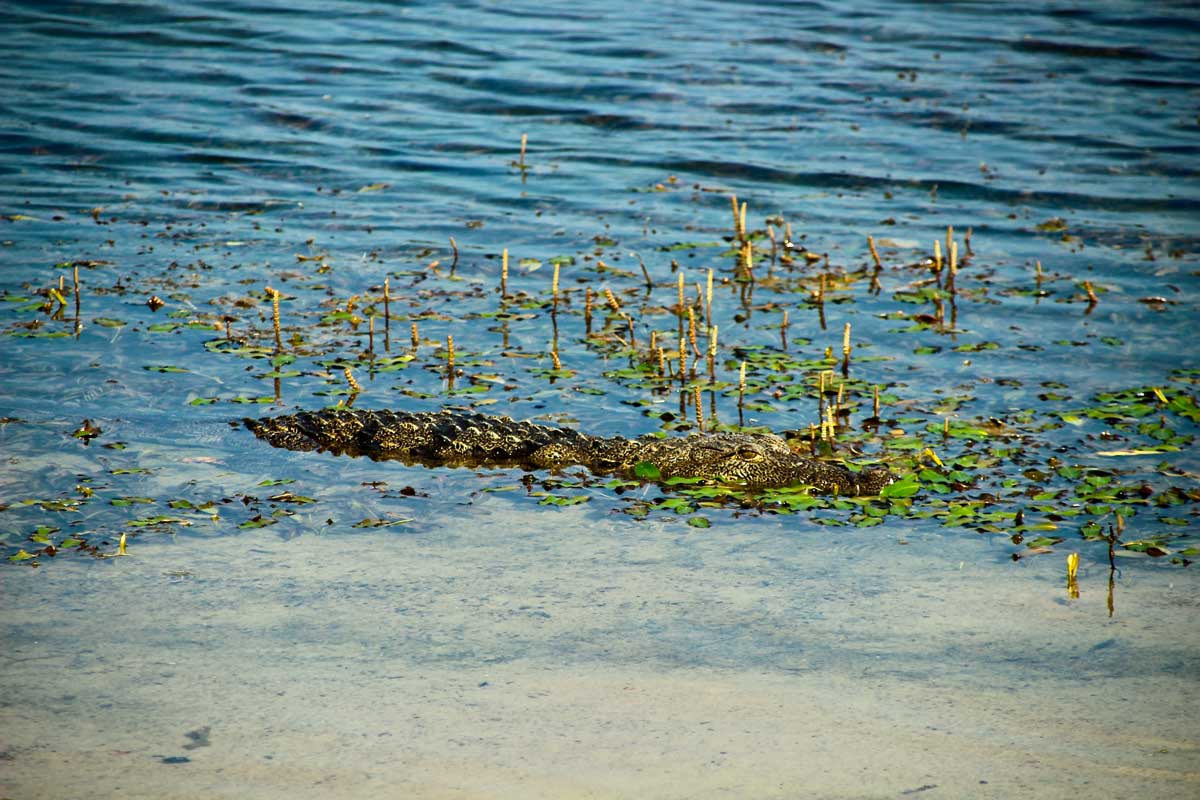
(593, 658)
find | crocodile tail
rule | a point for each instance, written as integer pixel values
(334, 430)
(434, 437)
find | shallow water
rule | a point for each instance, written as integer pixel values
(584, 658)
(486, 642)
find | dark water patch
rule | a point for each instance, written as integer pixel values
(1172, 83)
(1080, 50)
(612, 122)
(492, 106)
(800, 44)
(766, 109)
(764, 174)
(576, 93)
(233, 206)
(443, 46)
(623, 54)
(293, 120)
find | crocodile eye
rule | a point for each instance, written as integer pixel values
(749, 454)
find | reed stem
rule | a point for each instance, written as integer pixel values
(692, 331)
(387, 316)
(504, 274)
(681, 304)
(708, 318)
(275, 318)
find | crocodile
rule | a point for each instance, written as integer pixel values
(469, 438)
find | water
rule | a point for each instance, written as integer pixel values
(200, 152)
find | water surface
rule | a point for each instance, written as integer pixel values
(467, 633)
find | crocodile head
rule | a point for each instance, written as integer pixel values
(757, 461)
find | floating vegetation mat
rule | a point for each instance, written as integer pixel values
(996, 393)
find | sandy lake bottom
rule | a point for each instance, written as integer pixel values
(589, 658)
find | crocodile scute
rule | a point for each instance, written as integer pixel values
(469, 438)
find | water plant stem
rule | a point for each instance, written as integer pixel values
(504, 274)
(708, 295)
(846, 349)
(355, 388)
(387, 317)
(274, 295)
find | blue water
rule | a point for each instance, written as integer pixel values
(810, 108)
(199, 152)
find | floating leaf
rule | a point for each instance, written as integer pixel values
(122, 502)
(560, 500)
(42, 534)
(288, 497)
(647, 471)
(907, 486)
(87, 431)
(1153, 547)
(160, 519)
